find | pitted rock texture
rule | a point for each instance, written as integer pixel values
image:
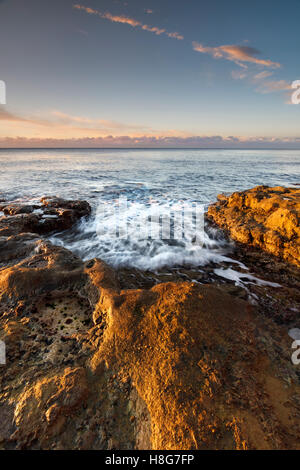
(90, 365)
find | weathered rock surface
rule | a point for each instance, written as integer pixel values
(262, 217)
(53, 214)
(176, 366)
(48, 396)
(206, 367)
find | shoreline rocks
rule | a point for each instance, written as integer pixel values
(262, 217)
(52, 214)
(92, 363)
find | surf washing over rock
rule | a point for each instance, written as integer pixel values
(186, 357)
(153, 235)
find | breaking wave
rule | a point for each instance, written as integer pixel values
(147, 235)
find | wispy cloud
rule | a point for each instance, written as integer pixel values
(7, 116)
(12, 117)
(58, 120)
(130, 21)
(262, 81)
(238, 74)
(262, 75)
(82, 31)
(240, 55)
(271, 86)
(69, 119)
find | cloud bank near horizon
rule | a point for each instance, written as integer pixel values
(125, 141)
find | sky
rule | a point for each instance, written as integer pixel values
(149, 73)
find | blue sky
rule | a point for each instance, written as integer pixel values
(149, 73)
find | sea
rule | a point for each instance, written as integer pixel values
(131, 186)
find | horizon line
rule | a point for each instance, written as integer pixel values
(147, 148)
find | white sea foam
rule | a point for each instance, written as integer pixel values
(141, 244)
(38, 211)
(241, 279)
(165, 175)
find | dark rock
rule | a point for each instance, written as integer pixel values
(54, 214)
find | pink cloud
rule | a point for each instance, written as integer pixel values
(64, 120)
(262, 81)
(11, 117)
(130, 21)
(271, 86)
(175, 36)
(69, 119)
(119, 19)
(238, 54)
(263, 75)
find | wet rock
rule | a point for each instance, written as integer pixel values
(264, 222)
(20, 223)
(14, 209)
(15, 248)
(262, 217)
(53, 214)
(82, 208)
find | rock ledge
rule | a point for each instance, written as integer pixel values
(262, 217)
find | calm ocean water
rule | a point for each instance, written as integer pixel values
(169, 177)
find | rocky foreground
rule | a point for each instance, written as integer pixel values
(180, 365)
